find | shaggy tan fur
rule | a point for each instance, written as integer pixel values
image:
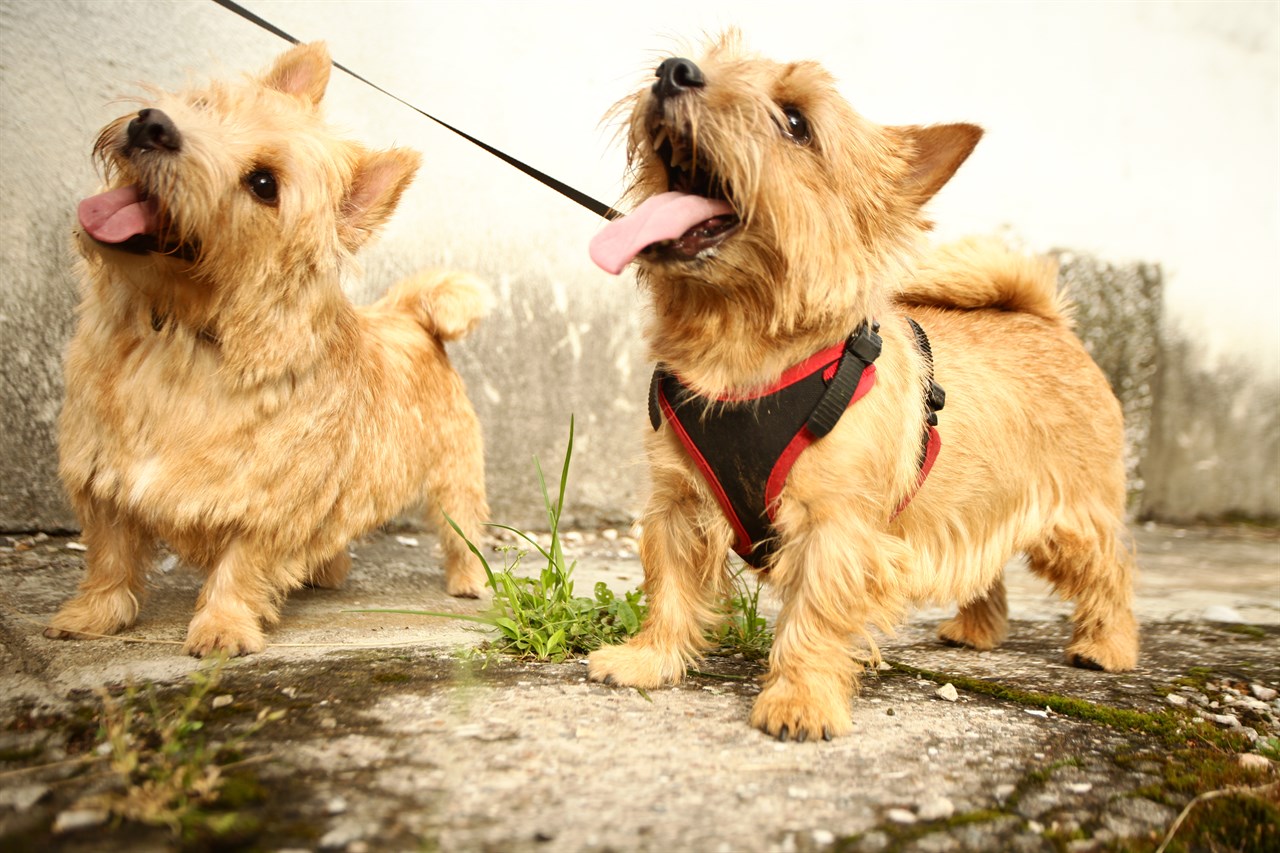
(830, 235)
(225, 397)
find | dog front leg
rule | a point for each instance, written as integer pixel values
(684, 547)
(116, 562)
(243, 590)
(833, 579)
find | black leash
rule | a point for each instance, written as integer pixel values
(559, 186)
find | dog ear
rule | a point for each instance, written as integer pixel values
(380, 178)
(302, 72)
(935, 152)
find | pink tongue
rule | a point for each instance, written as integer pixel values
(115, 216)
(662, 217)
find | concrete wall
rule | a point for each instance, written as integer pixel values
(1068, 161)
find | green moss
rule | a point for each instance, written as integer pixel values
(391, 677)
(1247, 630)
(1172, 728)
(904, 836)
(239, 790)
(23, 755)
(1197, 678)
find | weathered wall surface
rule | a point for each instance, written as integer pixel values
(1215, 441)
(1118, 316)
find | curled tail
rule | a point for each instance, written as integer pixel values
(984, 273)
(448, 304)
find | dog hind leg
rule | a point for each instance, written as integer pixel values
(456, 489)
(980, 624)
(1086, 563)
(330, 573)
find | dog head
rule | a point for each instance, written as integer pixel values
(238, 181)
(757, 179)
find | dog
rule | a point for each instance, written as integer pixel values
(222, 394)
(781, 242)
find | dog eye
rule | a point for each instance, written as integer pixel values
(797, 127)
(263, 185)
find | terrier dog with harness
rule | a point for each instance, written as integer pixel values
(804, 336)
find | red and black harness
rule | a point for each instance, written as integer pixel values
(745, 446)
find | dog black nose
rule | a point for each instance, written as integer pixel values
(153, 130)
(675, 75)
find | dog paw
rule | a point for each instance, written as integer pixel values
(85, 616)
(634, 665)
(1103, 657)
(790, 711)
(210, 634)
(1113, 649)
(956, 632)
(464, 587)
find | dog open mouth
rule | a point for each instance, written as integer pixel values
(127, 218)
(691, 218)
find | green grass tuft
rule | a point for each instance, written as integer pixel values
(171, 773)
(540, 617)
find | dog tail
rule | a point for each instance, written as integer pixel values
(448, 304)
(984, 273)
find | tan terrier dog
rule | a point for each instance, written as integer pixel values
(223, 395)
(777, 223)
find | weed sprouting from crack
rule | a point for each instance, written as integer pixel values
(169, 772)
(540, 618)
(743, 630)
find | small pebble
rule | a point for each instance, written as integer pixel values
(901, 816)
(1253, 761)
(939, 808)
(1175, 700)
(1266, 694)
(407, 541)
(22, 797)
(947, 692)
(823, 837)
(73, 819)
(221, 701)
(77, 546)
